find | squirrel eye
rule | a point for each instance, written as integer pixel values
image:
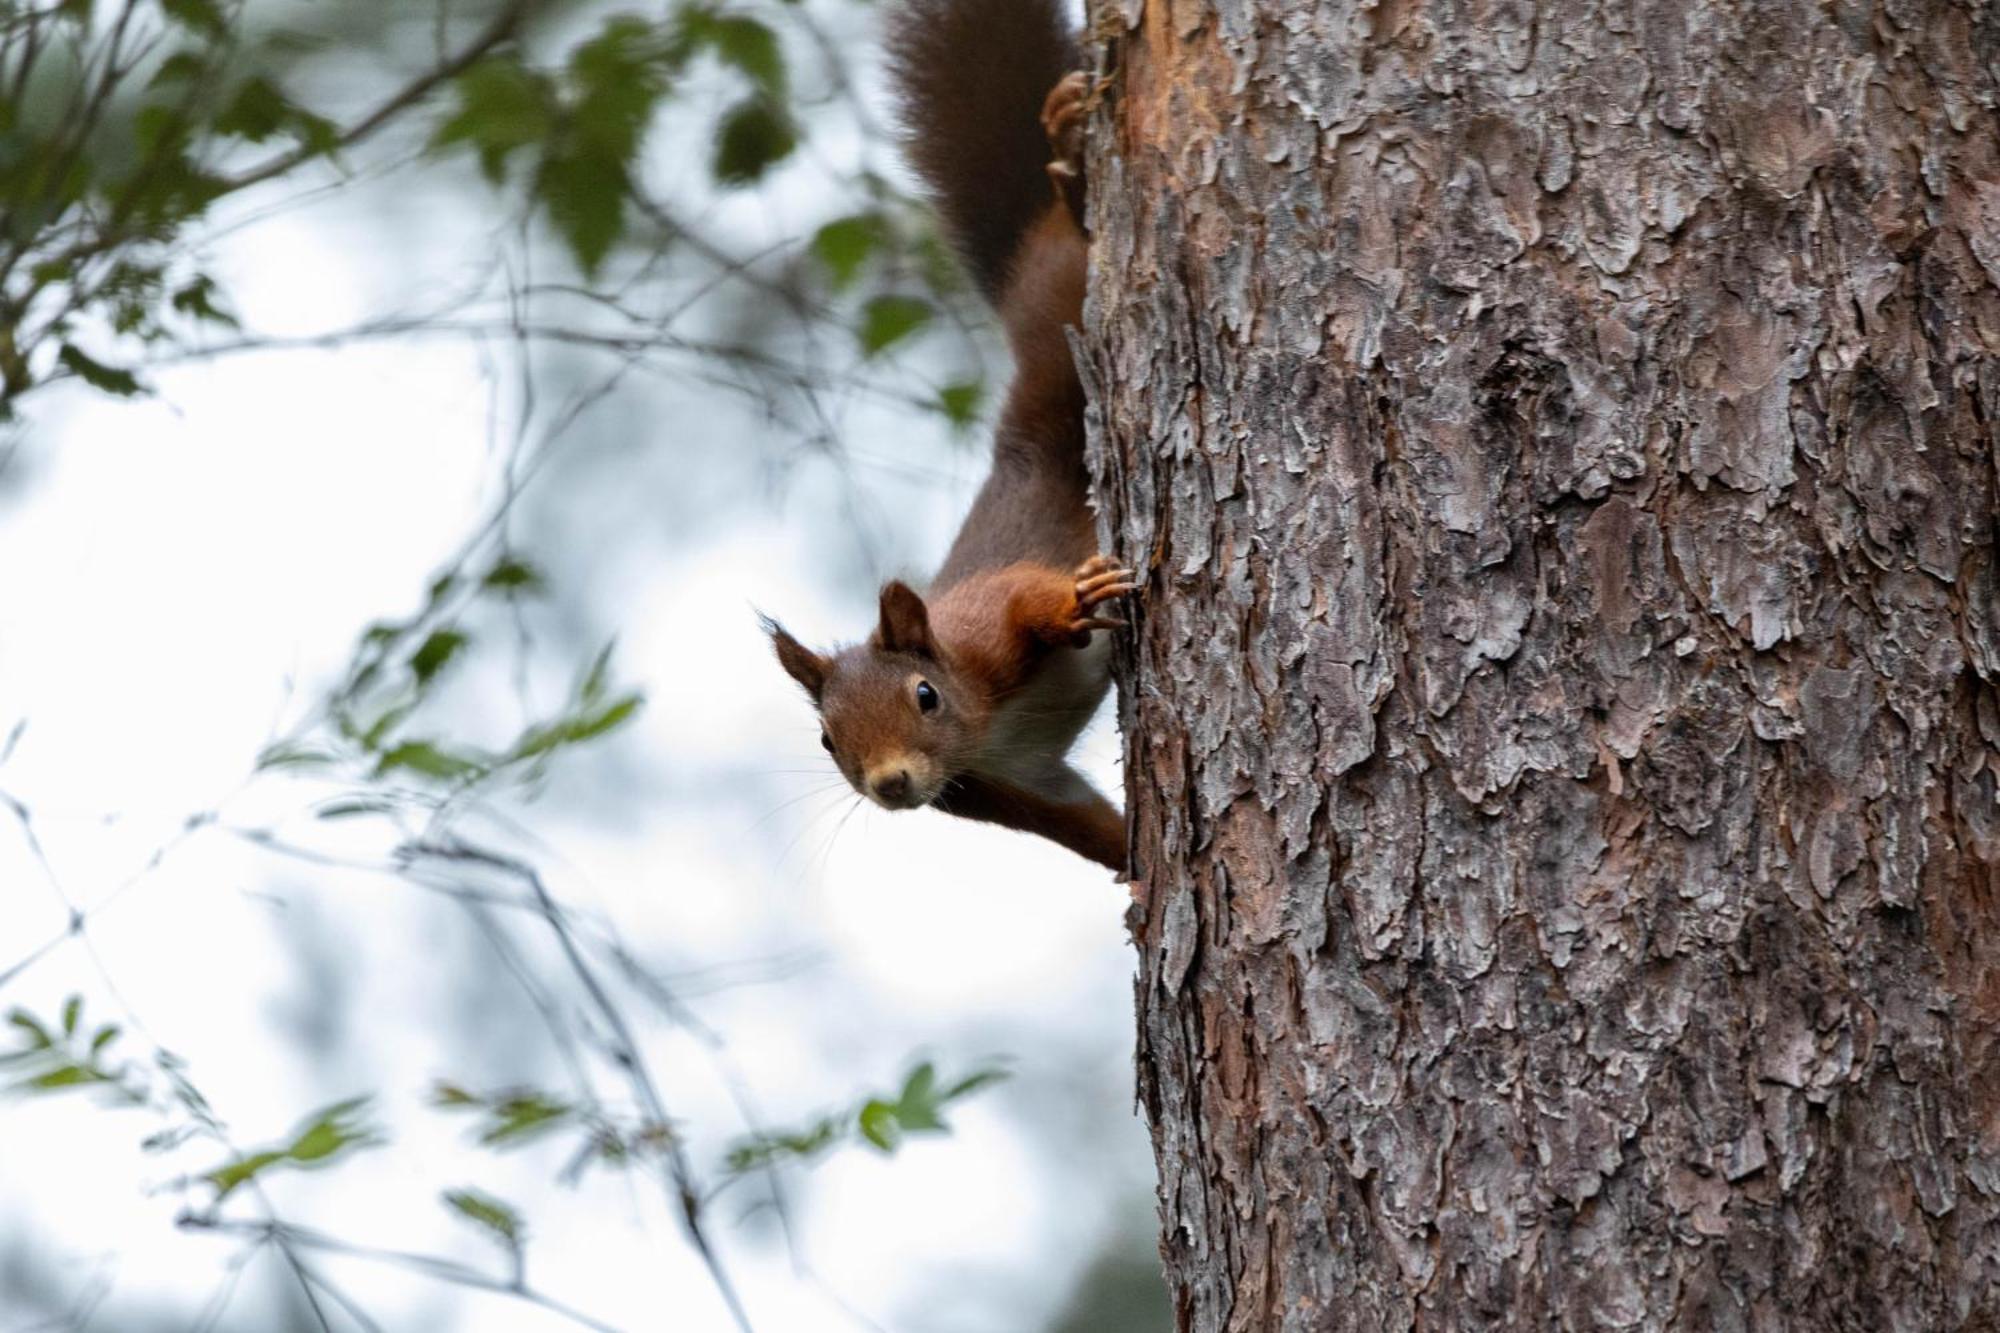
(825, 741)
(927, 697)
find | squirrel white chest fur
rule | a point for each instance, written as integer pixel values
(1032, 731)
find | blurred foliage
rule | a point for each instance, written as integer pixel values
(132, 133)
(882, 1121)
(55, 1056)
(125, 124)
(365, 728)
(318, 1143)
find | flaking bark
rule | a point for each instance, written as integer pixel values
(1561, 724)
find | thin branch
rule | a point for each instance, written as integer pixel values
(503, 26)
(447, 1270)
(680, 1172)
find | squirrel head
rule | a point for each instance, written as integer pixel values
(895, 716)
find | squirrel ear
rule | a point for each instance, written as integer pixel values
(801, 663)
(906, 625)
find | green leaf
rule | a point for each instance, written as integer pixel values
(917, 1109)
(105, 1036)
(551, 736)
(52, 271)
(256, 112)
(197, 301)
(72, 1010)
(759, 1150)
(323, 1139)
(435, 654)
(97, 375)
(513, 576)
(180, 67)
(448, 1095)
(584, 188)
(960, 402)
(37, 1035)
(167, 1140)
(618, 75)
(230, 1177)
(426, 758)
(877, 1121)
(845, 244)
(503, 106)
(597, 724)
(260, 109)
(745, 43)
(338, 1126)
(973, 1083)
(887, 320)
(523, 1116)
(204, 16)
(754, 136)
(314, 131)
(599, 676)
(379, 730)
(291, 754)
(487, 1212)
(67, 1076)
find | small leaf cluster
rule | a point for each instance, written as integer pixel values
(67, 1054)
(325, 1137)
(117, 134)
(581, 125)
(517, 1117)
(398, 666)
(496, 1218)
(883, 1122)
(63, 1055)
(888, 263)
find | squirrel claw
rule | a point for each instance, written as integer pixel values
(1103, 587)
(1098, 580)
(1062, 117)
(1062, 122)
(1101, 578)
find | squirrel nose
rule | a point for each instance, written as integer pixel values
(892, 788)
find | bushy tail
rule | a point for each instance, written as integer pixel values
(971, 75)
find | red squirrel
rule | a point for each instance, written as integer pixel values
(967, 697)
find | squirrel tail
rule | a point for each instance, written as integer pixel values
(971, 77)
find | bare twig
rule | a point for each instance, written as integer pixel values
(680, 1178)
(447, 1270)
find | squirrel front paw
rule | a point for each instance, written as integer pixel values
(1062, 122)
(1098, 580)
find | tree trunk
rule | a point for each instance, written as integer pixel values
(1561, 723)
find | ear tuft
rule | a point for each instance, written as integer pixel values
(906, 624)
(801, 663)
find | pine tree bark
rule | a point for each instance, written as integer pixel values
(1561, 721)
